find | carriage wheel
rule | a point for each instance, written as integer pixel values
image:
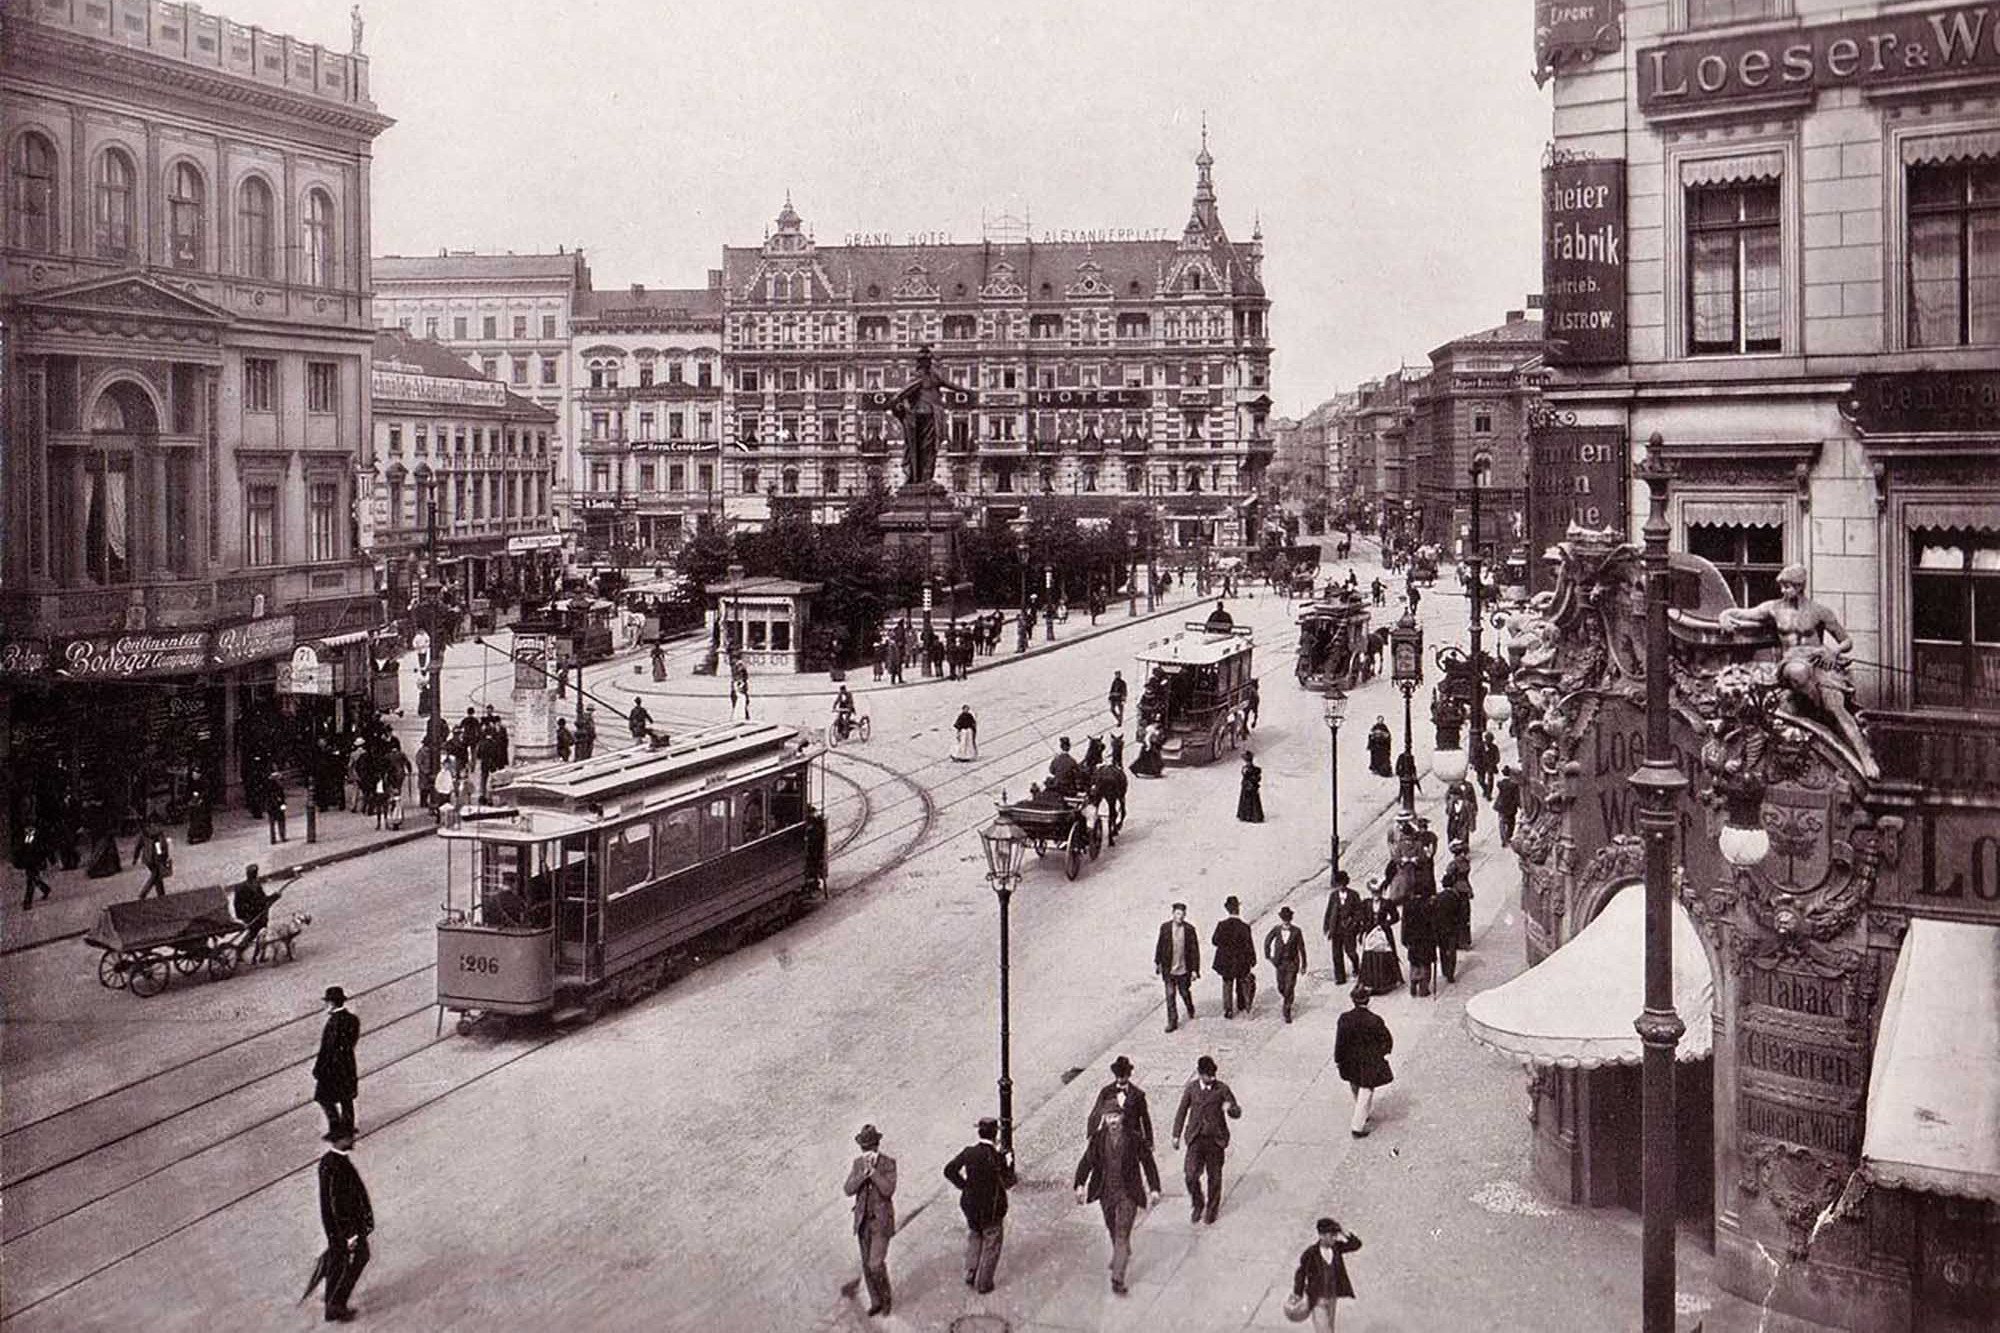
(221, 964)
(147, 976)
(187, 962)
(111, 970)
(1096, 841)
(1073, 853)
(865, 728)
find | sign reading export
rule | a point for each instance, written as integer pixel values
(1887, 49)
(1583, 262)
(1572, 33)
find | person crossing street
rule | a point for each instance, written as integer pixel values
(1117, 697)
(1117, 1172)
(1285, 950)
(982, 1174)
(347, 1218)
(871, 1183)
(1235, 959)
(1177, 958)
(1207, 1106)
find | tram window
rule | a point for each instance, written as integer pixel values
(788, 799)
(715, 827)
(753, 814)
(578, 874)
(679, 838)
(630, 863)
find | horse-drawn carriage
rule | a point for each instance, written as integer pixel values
(1333, 641)
(1424, 565)
(1200, 691)
(143, 944)
(1072, 825)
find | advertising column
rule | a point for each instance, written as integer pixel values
(534, 738)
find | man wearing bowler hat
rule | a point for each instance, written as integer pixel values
(1122, 1094)
(982, 1174)
(347, 1218)
(871, 1182)
(335, 1078)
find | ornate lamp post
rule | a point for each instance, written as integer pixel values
(1005, 846)
(1336, 709)
(1132, 571)
(1659, 782)
(1482, 466)
(1406, 669)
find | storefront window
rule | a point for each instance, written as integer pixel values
(781, 636)
(758, 636)
(1955, 618)
(1748, 558)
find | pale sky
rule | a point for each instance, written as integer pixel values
(1391, 147)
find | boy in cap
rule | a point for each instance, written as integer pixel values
(871, 1181)
(1321, 1277)
(982, 1174)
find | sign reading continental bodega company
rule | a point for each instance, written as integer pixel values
(1891, 48)
(1583, 262)
(124, 656)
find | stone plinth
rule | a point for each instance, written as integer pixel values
(919, 517)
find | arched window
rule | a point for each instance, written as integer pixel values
(255, 229)
(749, 481)
(187, 195)
(791, 480)
(830, 481)
(1194, 480)
(35, 195)
(1089, 477)
(319, 239)
(113, 217)
(1135, 478)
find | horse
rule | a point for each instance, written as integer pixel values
(1108, 785)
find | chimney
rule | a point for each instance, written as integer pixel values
(715, 279)
(638, 289)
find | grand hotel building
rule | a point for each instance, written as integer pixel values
(1101, 372)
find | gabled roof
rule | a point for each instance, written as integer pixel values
(428, 356)
(1044, 272)
(648, 304)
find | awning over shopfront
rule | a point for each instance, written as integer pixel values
(1575, 1008)
(1934, 1092)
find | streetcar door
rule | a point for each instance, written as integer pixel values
(578, 883)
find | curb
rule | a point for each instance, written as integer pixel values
(316, 863)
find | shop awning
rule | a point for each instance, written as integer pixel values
(1734, 513)
(1934, 1091)
(346, 640)
(1969, 515)
(1575, 1009)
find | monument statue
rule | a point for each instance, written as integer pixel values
(920, 408)
(1813, 668)
(354, 17)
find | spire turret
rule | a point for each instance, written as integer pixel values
(1204, 218)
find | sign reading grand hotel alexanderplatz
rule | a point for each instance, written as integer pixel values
(1897, 47)
(1583, 262)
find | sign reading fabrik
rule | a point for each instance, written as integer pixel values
(1896, 47)
(1583, 262)
(126, 656)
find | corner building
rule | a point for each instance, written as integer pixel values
(186, 337)
(1101, 372)
(1773, 239)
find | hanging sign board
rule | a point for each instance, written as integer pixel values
(1583, 262)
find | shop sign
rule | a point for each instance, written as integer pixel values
(545, 541)
(1607, 804)
(305, 673)
(1925, 402)
(952, 395)
(1891, 48)
(1955, 871)
(674, 446)
(1576, 474)
(130, 656)
(254, 640)
(1583, 262)
(406, 387)
(1574, 32)
(24, 657)
(1803, 1069)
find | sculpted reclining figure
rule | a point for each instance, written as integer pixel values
(1813, 667)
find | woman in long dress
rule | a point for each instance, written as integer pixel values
(1149, 763)
(965, 736)
(1250, 796)
(1380, 972)
(1420, 939)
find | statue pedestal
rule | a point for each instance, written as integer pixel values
(921, 517)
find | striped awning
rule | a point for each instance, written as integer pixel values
(1972, 146)
(1972, 515)
(1734, 513)
(1724, 170)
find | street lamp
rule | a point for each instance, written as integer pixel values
(1132, 571)
(1449, 760)
(428, 486)
(1406, 669)
(1659, 782)
(1482, 466)
(1336, 709)
(1005, 846)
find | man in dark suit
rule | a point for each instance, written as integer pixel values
(982, 1174)
(1207, 1107)
(1285, 948)
(1117, 1172)
(871, 1182)
(1235, 959)
(1065, 774)
(1177, 958)
(1361, 1046)
(347, 1217)
(1123, 1095)
(1321, 1276)
(335, 1078)
(1345, 921)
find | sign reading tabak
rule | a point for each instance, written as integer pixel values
(1892, 48)
(1583, 262)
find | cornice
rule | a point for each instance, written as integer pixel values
(68, 52)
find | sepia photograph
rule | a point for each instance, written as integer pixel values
(1019, 667)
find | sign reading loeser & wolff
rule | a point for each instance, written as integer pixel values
(1583, 262)
(1893, 48)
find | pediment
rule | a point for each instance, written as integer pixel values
(129, 294)
(1089, 281)
(916, 283)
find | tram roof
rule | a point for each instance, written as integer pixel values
(564, 798)
(1198, 645)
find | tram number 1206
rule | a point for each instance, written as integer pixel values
(478, 962)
